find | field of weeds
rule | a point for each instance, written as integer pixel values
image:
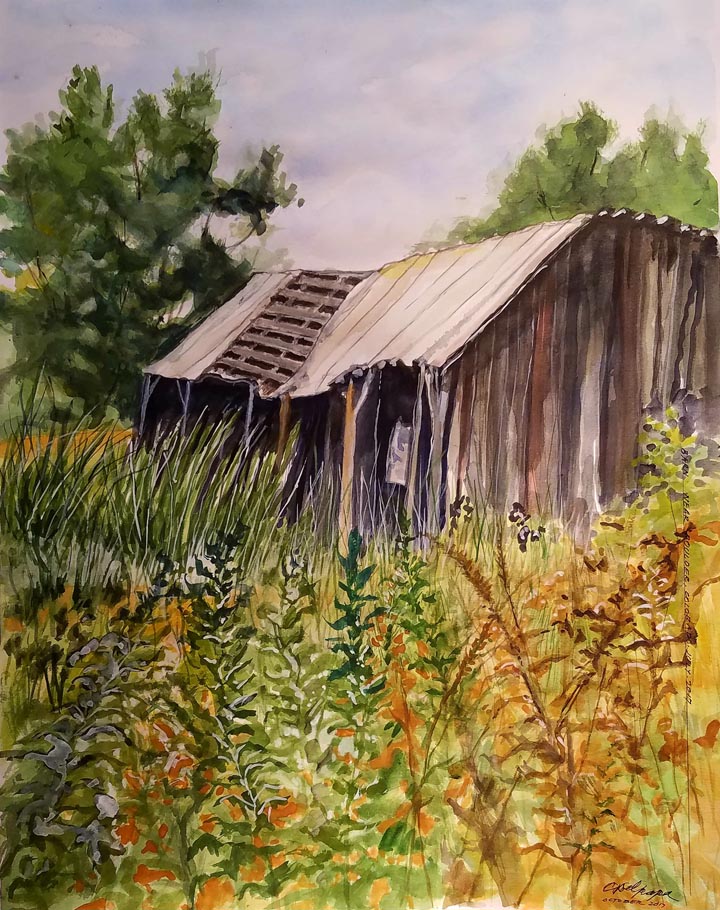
(207, 708)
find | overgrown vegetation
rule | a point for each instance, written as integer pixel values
(206, 708)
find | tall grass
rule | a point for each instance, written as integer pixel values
(93, 506)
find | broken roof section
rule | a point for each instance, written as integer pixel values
(297, 333)
(265, 333)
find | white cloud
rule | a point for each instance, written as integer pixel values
(392, 116)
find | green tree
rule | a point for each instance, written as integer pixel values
(575, 171)
(108, 228)
(665, 174)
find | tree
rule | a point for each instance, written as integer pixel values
(574, 171)
(108, 228)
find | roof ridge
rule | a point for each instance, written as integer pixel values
(648, 217)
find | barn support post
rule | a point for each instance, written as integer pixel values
(449, 386)
(365, 467)
(330, 459)
(440, 391)
(348, 459)
(356, 496)
(461, 425)
(283, 430)
(249, 415)
(305, 472)
(149, 383)
(374, 504)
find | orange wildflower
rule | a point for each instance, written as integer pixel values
(399, 816)
(385, 759)
(133, 781)
(207, 823)
(101, 903)
(178, 762)
(708, 740)
(128, 832)
(378, 890)
(145, 876)
(279, 812)
(255, 872)
(216, 894)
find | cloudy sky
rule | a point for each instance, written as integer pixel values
(396, 116)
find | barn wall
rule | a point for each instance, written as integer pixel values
(170, 403)
(551, 395)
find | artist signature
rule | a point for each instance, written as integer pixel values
(636, 893)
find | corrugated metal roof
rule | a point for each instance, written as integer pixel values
(425, 308)
(265, 333)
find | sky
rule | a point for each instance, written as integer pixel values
(395, 116)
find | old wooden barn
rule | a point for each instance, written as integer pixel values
(518, 368)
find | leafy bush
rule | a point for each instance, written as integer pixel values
(59, 804)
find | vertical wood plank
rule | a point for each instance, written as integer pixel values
(440, 388)
(539, 388)
(595, 289)
(411, 498)
(366, 402)
(466, 412)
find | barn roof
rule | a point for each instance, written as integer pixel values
(299, 332)
(264, 333)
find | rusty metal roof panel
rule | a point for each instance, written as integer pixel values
(425, 308)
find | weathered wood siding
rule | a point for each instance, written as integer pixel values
(543, 406)
(551, 395)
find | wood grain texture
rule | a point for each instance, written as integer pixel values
(625, 320)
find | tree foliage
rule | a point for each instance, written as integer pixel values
(577, 169)
(108, 229)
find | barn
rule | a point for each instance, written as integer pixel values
(514, 369)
